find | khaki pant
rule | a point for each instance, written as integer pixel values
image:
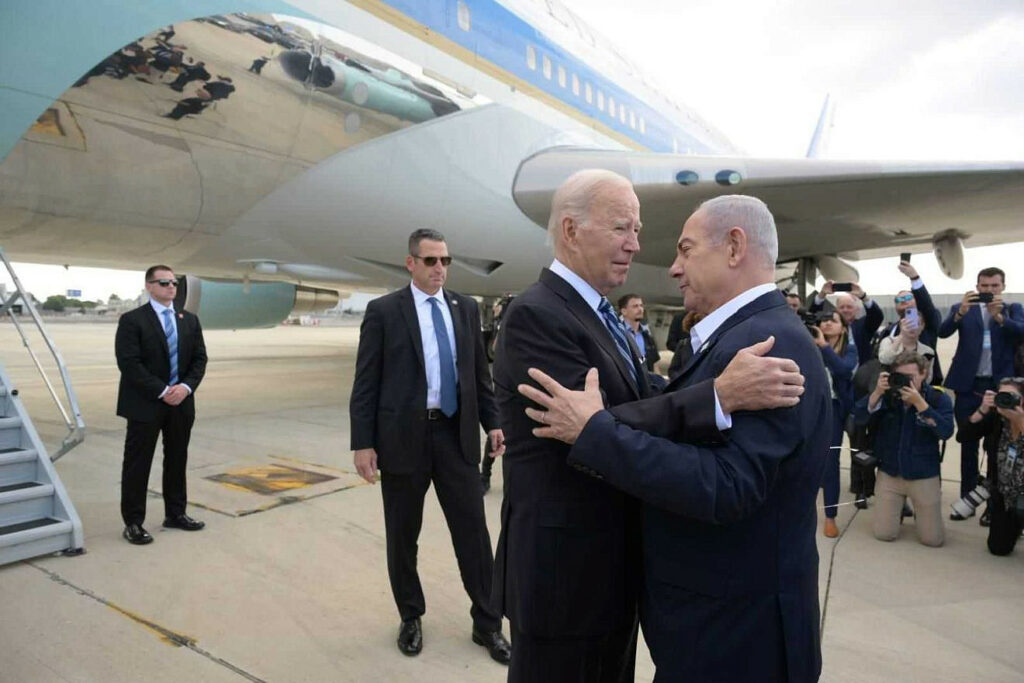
(926, 497)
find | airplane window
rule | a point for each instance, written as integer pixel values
(589, 93)
(622, 115)
(463, 16)
(561, 75)
(546, 66)
(575, 85)
(643, 126)
(531, 58)
(600, 100)
(632, 119)
(611, 107)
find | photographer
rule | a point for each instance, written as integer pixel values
(988, 331)
(999, 420)
(912, 418)
(840, 357)
(916, 304)
(862, 329)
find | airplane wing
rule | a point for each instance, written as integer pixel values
(852, 209)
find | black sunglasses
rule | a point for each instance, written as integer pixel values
(431, 261)
(164, 283)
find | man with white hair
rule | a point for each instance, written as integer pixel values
(862, 328)
(730, 588)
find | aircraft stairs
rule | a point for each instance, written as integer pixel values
(36, 514)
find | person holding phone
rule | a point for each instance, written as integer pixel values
(861, 328)
(916, 303)
(988, 330)
(908, 339)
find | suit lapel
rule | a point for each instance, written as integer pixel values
(588, 318)
(412, 323)
(761, 303)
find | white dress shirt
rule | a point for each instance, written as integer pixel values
(431, 355)
(702, 331)
(160, 308)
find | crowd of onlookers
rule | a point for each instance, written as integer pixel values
(898, 403)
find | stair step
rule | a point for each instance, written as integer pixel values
(10, 422)
(30, 524)
(25, 490)
(42, 537)
(9, 456)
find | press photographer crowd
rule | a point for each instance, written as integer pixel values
(898, 403)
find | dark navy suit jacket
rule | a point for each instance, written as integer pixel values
(964, 367)
(730, 561)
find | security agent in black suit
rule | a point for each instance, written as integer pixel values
(162, 359)
(730, 563)
(631, 308)
(567, 569)
(421, 392)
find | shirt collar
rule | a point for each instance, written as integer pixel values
(703, 330)
(160, 308)
(582, 287)
(420, 297)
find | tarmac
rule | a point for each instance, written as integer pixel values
(290, 584)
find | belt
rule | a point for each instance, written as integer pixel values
(436, 414)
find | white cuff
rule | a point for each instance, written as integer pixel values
(722, 421)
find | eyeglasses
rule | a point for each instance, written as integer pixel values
(903, 298)
(431, 261)
(164, 283)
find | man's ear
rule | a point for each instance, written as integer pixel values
(409, 260)
(737, 242)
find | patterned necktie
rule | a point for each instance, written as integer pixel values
(172, 344)
(449, 395)
(618, 334)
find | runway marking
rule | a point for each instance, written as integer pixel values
(166, 635)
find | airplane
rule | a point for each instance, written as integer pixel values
(304, 140)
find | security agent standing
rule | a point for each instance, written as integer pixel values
(631, 309)
(162, 359)
(421, 391)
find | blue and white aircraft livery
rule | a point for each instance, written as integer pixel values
(284, 150)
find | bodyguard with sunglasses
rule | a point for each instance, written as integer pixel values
(421, 392)
(162, 359)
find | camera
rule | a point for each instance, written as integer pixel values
(979, 494)
(1006, 400)
(811, 321)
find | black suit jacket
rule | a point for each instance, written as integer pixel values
(567, 563)
(389, 394)
(145, 363)
(730, 561)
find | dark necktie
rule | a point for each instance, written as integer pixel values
(618, 334)
(172, 344)
(449, 395)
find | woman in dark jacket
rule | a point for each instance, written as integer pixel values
(1003, 432)
(840, 357)
(910, 419)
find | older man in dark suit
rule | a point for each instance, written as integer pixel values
(162, 358)
(568, 561)
(422, 391)
(730, 589)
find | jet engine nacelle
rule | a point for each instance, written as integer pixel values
(949, 252)
(836, 269)
(233, 305)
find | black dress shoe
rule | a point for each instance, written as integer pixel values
(136, 535)
(495, 643)
(410, 637)
(183, 522)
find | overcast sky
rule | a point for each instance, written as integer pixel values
(915, 79)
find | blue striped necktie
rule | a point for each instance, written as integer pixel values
(172, 344)
(618, 334)
(449, 393)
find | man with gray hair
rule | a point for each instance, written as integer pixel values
(730, 566)
(567, 568)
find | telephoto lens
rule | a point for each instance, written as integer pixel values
(965, 506)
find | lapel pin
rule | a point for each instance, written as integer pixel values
(181, 316)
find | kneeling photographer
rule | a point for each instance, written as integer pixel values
(910, 419)
(1000, 422)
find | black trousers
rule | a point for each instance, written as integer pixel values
(457, 484)
(1004, 527)
(139, 444)
(609, 659)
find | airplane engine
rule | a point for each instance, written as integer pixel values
(949, 252)
(835, 269)
(233, 305)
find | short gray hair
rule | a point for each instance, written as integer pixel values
(576, 195)
(423, 234)
(745, 212)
